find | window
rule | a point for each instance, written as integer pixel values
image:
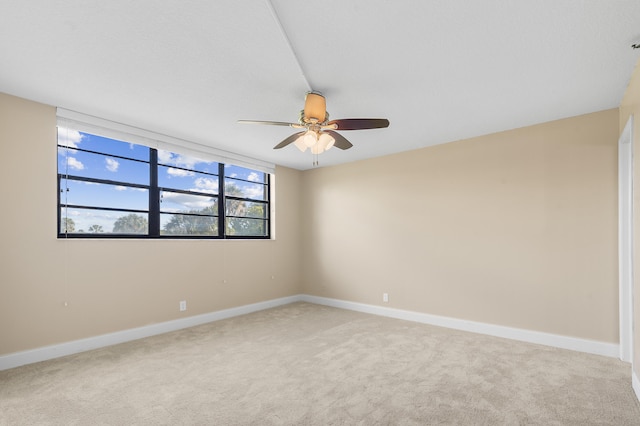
(246, 207)
(110, 188)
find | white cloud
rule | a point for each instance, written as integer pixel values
(254, 191)
(248, 190)
(129, 188)
(187, 162)
(165, 157)
(178, 172)
(206, 185)
(111, 164)
(253, 177)
(74, 163)
(69, 138)
(178, 160)
(189, 202)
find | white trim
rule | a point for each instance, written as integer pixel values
(55, 351)
(557, 341)
(110, 129)
(635, 384)
(69, 348)
(625, 240)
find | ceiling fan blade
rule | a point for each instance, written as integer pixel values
(270, 123)
(340, 141)
(359, 123)
(289, 140)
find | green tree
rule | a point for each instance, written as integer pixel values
(195, 222)
(243, 218)
(249, 221)
(95, 229)
(67, 225)
(247, 214)
(131, 224)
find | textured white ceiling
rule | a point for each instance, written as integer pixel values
(438, 70)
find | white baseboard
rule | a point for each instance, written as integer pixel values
(635, 384)
(54, 351)
(554, 340)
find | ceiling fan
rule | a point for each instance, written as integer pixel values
(318, 133)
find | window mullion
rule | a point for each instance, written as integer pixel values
(222, 232)
(267, 207)
(154, 194)
(59, 206)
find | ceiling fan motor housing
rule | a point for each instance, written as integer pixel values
(315, 108)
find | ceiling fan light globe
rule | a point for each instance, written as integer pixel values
(310, 138)
(317, 149)
(326, 141)
(299, 143)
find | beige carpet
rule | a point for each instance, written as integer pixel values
(305, 364)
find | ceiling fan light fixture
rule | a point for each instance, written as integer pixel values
(316, 131)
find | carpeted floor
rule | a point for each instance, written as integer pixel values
(305, 364)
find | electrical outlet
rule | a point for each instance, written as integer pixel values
(183, 305)
(385, 297)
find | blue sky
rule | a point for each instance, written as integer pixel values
(201, 178)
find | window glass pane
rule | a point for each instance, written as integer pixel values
(177, 202)
(184, 224)
(245, 209)
(246, 227)
(95, 221)
(168, 158)
(75, 139)
(238, 172)
(187, 180)
(91, 194)
(241, 189)
(99, 166)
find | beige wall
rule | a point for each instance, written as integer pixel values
(517, 228)
(630, 105)
(115, 284)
